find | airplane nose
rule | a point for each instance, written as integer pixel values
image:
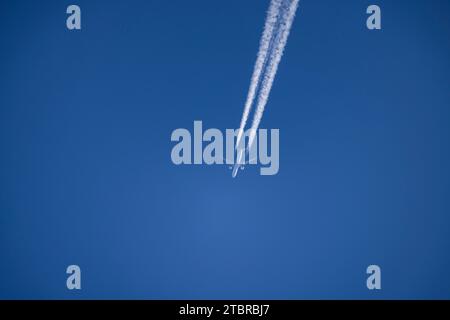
(238, 163)
(235, 171)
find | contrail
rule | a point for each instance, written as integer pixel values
(263, 53)
(272, 67)
(272, 44)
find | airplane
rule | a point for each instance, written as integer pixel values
(238, 163)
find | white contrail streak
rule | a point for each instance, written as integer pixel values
(263, 53)
(272, 67)
(278, 24)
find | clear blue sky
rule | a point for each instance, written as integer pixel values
(86, 176)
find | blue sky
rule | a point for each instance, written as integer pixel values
(87, 179)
